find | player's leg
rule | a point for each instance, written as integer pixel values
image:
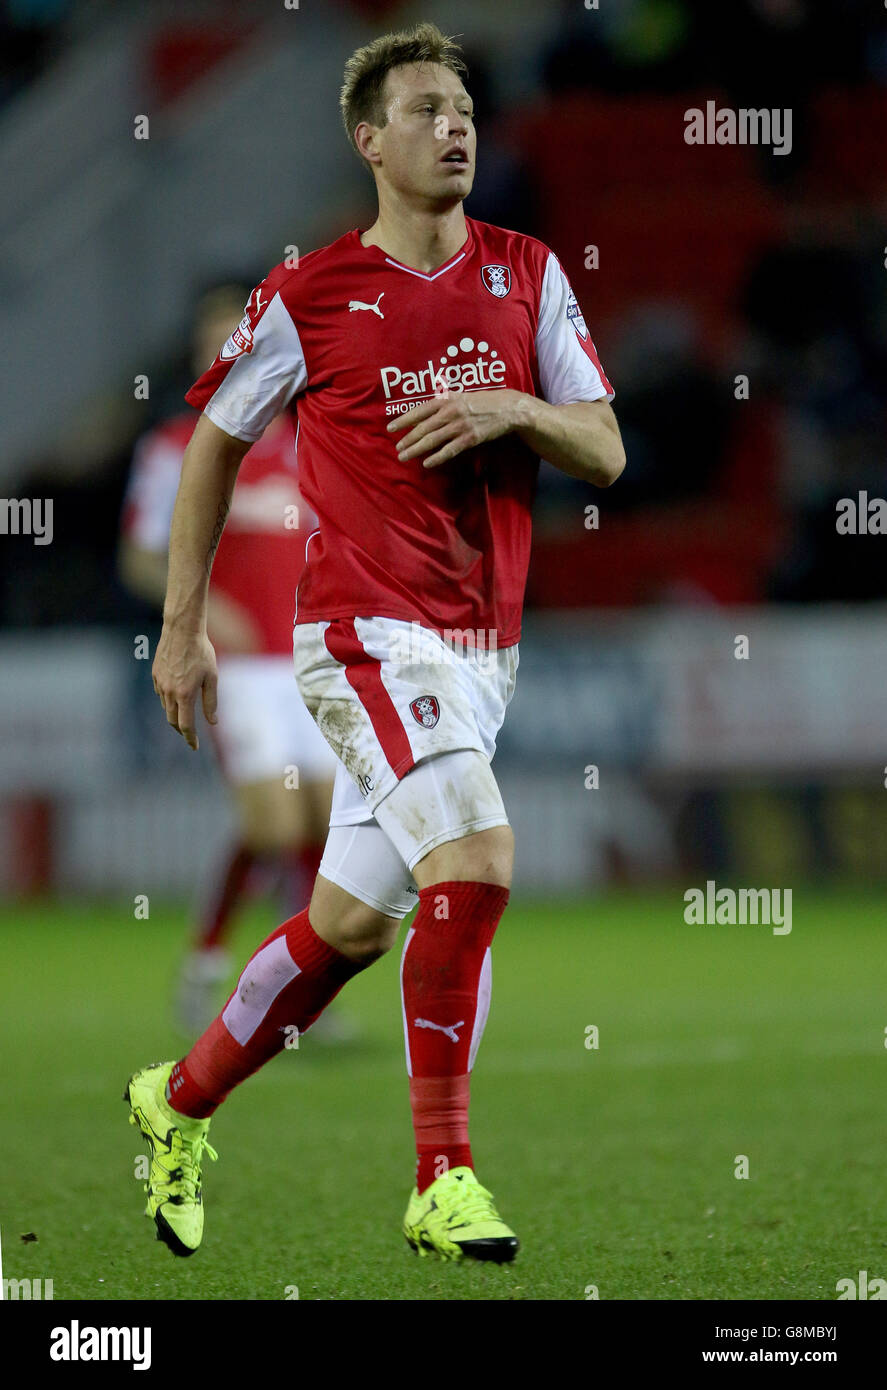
(312, 768)
(414, 720)
(291, 978)
(335, 1026)
(447, 819)
(285, 986)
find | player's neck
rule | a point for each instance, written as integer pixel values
(421, 240)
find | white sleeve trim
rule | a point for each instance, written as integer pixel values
(262, 382)
(213, 413)
(566, 372)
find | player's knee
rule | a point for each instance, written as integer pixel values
(371, 942)
(366, 937)
(350, 926)
(486, 856)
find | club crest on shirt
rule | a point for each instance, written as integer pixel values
(425, 710)
(241, 340)
(497, 279)
(574, 314)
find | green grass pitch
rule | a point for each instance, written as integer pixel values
(616, 1166)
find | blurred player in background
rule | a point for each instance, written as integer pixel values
(267, 743)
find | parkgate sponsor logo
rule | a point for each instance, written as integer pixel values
(463, 366)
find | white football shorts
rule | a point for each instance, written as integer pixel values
(413, 721)
(263, 726)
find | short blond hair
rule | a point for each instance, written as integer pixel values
(366, 70)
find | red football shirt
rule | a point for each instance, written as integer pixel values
(349, 339)
(262, 551)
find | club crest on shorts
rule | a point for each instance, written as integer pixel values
(425, 710)
(497, 279)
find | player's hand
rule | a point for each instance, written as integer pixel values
(450, 424)
(185, 666)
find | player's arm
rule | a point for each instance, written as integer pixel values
(185, 662)
(581, 438)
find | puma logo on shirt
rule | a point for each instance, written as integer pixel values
(359, 304)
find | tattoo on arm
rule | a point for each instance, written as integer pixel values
(216, 535)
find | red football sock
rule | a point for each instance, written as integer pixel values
(445, 983)
(285, 986)
(219, 908)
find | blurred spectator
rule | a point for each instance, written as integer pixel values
(818, 313)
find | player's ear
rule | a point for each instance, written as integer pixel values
(365, 140)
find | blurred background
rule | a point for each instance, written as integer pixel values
(737, 300)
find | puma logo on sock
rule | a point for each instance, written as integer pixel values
(449, 1029)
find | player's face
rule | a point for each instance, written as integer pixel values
(430, 117)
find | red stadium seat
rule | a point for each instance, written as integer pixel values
(848, 131)
(181, 54)
(669, 220)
